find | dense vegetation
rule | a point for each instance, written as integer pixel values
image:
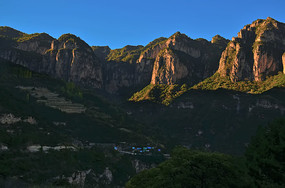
(263, 166)
(188, 168)
(266, 155)
(130, 54)
(127, 54)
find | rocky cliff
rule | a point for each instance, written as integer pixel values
(255, 53)
(173, 60)
(72, 59)
(67, 58)
(184, 60)
(101, 52)
(163, 61)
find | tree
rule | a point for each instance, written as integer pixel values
(189, 168)
(266, 155)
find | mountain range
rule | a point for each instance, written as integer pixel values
(63, 100)
(253, 55)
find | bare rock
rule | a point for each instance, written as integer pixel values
(256, 53)
(168, 69)
(283, 61)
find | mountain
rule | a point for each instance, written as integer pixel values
(256, 53)
(252, 62)
(52, 133)
(184, 60)
(68, 58)
(253, 55)
(174, 60)
(57, 127)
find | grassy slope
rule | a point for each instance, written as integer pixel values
(253, 87)
(130, 54)
(165, 94)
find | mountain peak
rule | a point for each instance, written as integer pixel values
(178, 34)
(217, 38)
(10, 32)
(256, 52)
(270, 19)
(72, 41)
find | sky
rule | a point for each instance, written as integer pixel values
(118, 23)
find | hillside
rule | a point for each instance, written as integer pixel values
(252, 63)
(54, 133)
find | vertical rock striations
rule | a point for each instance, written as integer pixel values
(283, 62)
(184, 60)
(68, 58)
(72, 59)
(256, 53)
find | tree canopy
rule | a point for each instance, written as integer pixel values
(189, 168)
(266, 155)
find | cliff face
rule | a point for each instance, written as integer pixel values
(38, 43)
(118, 76)
(255, 53)
(169, 61)
(163, 61)
(283, 62)
(145, 62)
(186, 60)
(68, 58)
(168, 69)
(101, 52)
(72, 59)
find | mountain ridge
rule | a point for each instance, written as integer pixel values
(256, 53)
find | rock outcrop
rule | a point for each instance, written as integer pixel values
(283, 62)
(168, 69)
(39, 43)
(67, 58)
(186, 60)
(145, 62)
(164, 61)
(72, 59)
(255, 53)
(101, 52)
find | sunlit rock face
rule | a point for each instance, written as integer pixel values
(256, 53)
(186, 60)
(169, 61)
(283, 62)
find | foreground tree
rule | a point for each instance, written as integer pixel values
(189, 168)
(266, 155)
